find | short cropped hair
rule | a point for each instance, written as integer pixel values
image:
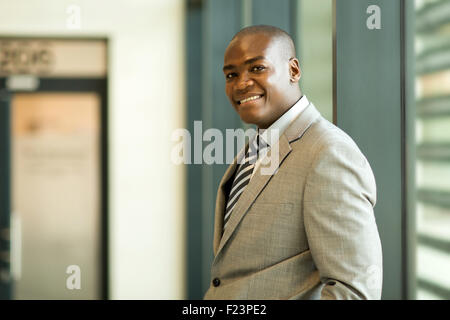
(277, 34)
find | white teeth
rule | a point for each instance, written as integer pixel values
(250, 99)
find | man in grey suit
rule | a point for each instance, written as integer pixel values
(307, 230)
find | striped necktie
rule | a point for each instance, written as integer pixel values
(242, 178)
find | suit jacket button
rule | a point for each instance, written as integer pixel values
(216, 282)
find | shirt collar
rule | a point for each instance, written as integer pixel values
(283, 122)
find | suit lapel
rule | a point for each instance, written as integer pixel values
(257, 183)
(275, 157)
(303, 121)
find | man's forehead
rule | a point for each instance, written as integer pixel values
(248, 47)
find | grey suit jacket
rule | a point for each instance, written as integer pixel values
(308, 230)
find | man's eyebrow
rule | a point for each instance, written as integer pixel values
(249, 61)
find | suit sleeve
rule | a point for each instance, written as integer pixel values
(339, 197)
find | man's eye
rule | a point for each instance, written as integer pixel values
(258, 68)
(230, 75)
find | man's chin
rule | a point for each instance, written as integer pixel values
(249, 118)
(257, 120)
(253, 115)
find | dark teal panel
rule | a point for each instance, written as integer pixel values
(5, 196)
(223, 28)
(194, 67)
(369, 101)
(222, 21)
(210, 26)
(275, 13)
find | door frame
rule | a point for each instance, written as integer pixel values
(98, 85)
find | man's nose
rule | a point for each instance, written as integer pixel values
(244, 82)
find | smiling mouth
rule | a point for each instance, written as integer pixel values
(250, 99)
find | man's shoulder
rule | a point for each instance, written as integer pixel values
(325, 149)
(324, 140)
(322, 133)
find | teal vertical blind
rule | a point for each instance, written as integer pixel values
(432, 54)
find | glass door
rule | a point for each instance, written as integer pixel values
(55, 181)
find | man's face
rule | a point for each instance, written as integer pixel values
(257, 79)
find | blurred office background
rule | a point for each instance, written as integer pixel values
(92, 91)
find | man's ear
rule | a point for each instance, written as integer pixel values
(294, 70)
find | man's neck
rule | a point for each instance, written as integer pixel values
(290, 105)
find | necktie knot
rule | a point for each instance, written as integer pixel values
(255, 148)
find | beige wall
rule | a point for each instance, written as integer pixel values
(146, 103)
